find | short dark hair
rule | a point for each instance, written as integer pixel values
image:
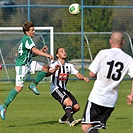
(58, 50)
(26, 26)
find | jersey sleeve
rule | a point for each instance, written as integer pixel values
(52, 66)
(95, 65)
(130, 72)
(29, 44)
(73, 69)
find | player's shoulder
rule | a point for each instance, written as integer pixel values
(53, 62)
(68, 63)
(127, 56)
(25, 37)
(103, 51)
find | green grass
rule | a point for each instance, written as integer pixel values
(29, 113)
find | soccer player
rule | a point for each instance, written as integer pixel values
(109, 68)
(41, 74)
(24, 64)
(59, 90)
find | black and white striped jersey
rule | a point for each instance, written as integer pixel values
(60, 77)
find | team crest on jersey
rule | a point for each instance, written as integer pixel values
(63, 76)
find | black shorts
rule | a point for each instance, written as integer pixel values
(61, 94)
(96, 114)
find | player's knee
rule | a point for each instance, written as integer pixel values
(84, 128)
(67, 102)
(45, 68)
(18, 88)
(76, 107)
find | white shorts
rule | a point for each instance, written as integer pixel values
(21, 71)
(35, 66)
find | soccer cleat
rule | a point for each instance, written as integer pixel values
(63, 122)
(34, 89)
(2, 112)
(75, 122)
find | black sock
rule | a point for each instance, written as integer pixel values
(64, 117)
(69, 113)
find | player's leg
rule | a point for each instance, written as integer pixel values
(20, 76)
(68, 103)
(42, 71)
(86, 120)
(63, 119)
(60, 95)
(68, 109)
(92, 130)
(88, 128)
(95, 115)
(75, 107)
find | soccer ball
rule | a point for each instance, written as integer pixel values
(74, 8)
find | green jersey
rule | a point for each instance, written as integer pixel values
(24, 51)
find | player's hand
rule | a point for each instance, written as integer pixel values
(44, 49)
(86, 79)
(50, 57)
(57, 67)
(129, 99)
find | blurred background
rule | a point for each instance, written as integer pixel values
(82, 35)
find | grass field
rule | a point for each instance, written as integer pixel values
(29, 113)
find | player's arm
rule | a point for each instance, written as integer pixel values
(95, 65)
(51, 71)
(92, 75)
(44, 49)
(129, 98)
(39, 52)
(81, 77)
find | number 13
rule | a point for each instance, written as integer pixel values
(119, 66)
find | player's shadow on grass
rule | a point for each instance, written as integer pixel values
(46, 122)
(35, 124)
(3, 90)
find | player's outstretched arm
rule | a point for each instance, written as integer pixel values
(92, 75)
(44, 49)
(81, 77)
(129, 98)
(39, 52)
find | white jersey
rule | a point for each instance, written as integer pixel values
(110, 65)
(60, 77)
